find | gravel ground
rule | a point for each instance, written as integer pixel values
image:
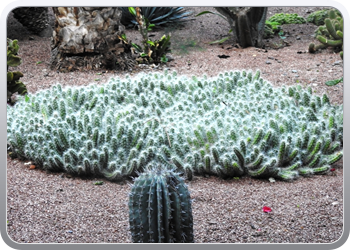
(54, 207)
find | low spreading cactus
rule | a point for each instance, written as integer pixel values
(230, 125)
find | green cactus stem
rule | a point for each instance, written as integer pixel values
(331, 34)
(160, 208)
(328, 42)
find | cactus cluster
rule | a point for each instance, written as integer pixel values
(283, 18)
(319, 16)
(230, 125)
(160, 208)
(330, 34)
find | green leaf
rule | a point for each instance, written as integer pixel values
(163, 59)
(97, 79)
(132, 11)
(13, 60)
(27, 99)
(98, 183)
(137, 47)
(149, 25)
(123, 36)
(334, 82)
(151, 43)
(39, 62)
(9, 76)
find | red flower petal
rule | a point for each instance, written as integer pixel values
(267, 209)
(332, 169)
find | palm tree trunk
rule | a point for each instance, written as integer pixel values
(88, 38)
(35, 19)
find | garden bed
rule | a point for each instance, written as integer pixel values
(57, 207)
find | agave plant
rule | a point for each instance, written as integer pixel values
(156, 15)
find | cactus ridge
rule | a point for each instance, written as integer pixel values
(230, 125)
(160, 208)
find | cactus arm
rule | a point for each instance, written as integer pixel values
(334, 158)
(333, 43)
(331, 29)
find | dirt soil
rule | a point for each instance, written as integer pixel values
(54, 207)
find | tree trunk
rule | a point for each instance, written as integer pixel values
(247, 24)
(88, 38)
(34, 19)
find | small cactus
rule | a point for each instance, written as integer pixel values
(160, 208)
(330, 34)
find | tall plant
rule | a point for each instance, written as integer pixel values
(151, 51)
(13, 60)
(247, 24)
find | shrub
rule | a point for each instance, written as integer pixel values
(319, 16)
(271, 28)
(286, 18)
(230, 125)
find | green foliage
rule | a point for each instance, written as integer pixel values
(152, 51)
(127, 125)
(271, 28)
(282, 18)
(319, 16)
(160, 208)
(13, 60)
(334, 82)
(156, 15)
(330, 34)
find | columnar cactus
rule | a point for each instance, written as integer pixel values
(331, 34)
(160, 208)
(230, 125)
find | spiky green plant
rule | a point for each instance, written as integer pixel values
(319, 16)
(230, 125)
(330, 34)
(283, 18)
(152, 51)
(160, 208)
(156, 15)
(13, 60)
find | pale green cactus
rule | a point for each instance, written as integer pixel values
(231, 125)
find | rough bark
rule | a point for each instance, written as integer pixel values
(34, 19)
(88, 38)
(247, 24)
